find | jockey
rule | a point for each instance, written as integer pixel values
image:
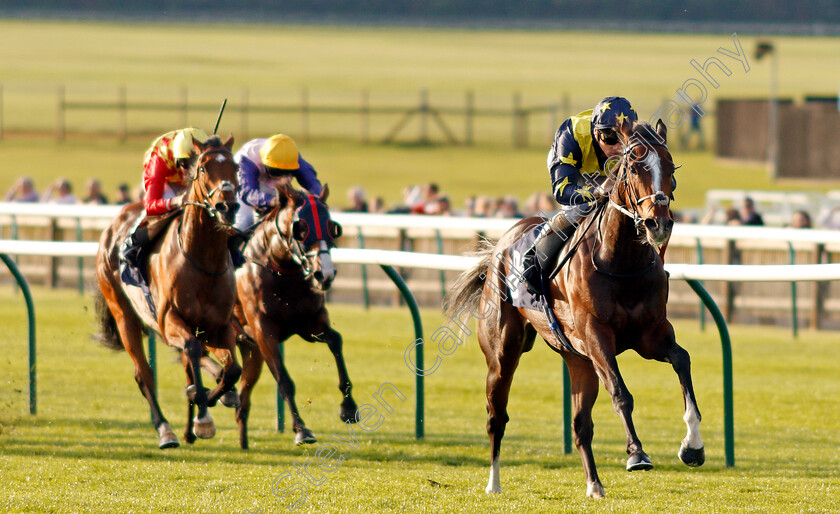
(264, 163)
(166, 167)
(582, 145)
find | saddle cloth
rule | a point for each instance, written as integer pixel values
(517, 291)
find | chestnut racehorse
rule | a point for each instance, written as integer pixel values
(610, 297)
(281, 293)
(191, 279)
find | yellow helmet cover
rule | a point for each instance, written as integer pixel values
(280, 151)
(182, 145)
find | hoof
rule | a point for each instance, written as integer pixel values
(639, 462)
(305, 436)
(166, 437)
(348, 411)
(492, 489)
(692, 457)
(595, 490)
(231, 399)
(191, 390)
(204, 428)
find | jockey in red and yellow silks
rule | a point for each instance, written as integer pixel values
(166, 165)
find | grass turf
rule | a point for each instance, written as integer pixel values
(91, 447)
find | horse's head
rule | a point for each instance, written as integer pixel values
(214, 180)
(304, 221)
(644, 182)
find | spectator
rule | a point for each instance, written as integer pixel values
(377, 205)
(469, 206)
(695, 128)
(123, 194)
(730, 216)
(508, 208)
(800, 219)
(22, 191)
(481, 207)
(440, 206)
(356, 197)
(60, 192)
(94, 193)
(139, 193)
(748, 214)
(828, 218)
(428, 199)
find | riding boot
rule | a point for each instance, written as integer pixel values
(543, 253)
(134, 246)
(235, 244)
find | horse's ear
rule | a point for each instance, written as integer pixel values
(229, 142)
(325, 193)
(198, 145)
(662, 130)
(626, 130)
(282, 197)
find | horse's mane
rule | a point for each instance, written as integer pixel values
(257, 244)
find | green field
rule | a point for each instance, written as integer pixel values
(91, 447)
(335, 64)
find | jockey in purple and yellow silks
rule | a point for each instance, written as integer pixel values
(262, 164)
(577, 163)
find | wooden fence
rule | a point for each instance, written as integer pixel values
(419, 122)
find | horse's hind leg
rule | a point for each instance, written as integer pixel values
(130, 329)
(584, 392)
(502, 347)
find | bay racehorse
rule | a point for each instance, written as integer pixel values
(610, 297)
(191, 280)
(281, 291)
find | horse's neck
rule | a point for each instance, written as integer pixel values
(201, 239)
(268, 244)
(622, 249)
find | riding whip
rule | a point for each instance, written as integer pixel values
(219, 118)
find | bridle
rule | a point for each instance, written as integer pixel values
(224, 186)
(295, 248)
(658, 197)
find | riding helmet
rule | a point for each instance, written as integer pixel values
(611, 111)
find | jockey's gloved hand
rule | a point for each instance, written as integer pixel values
(178, 201)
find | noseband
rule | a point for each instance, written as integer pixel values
(224, 186)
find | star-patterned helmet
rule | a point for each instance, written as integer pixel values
(613, 111)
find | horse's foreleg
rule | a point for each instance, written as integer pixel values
(251, 369)
(603, 359)
(269, 343)
(691, 451)
(584, 392)
(348, 404)
(661, 345)
(225, 351)
(203, 425)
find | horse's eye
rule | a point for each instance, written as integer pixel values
(300, 230)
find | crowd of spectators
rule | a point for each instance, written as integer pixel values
(425, 199)
(61, 192)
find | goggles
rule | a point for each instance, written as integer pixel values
(608, 136)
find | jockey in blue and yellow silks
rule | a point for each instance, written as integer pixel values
(577, 162)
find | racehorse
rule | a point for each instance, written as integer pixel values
(610, 297)
(281, 293)
(191, 280)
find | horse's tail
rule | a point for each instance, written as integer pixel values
(470, 281)
(108, 336)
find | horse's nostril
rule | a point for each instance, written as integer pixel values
(319, 276)
(221, 207)
(235, 207)
(650, 223)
